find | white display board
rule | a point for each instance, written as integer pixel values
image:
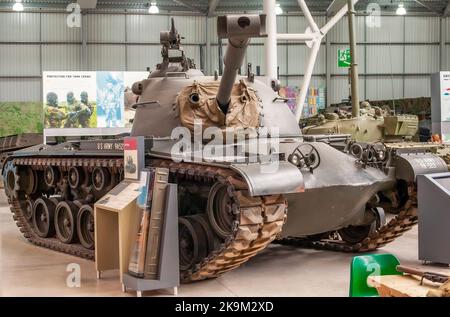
(102, 99)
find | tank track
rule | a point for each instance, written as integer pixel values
(402, 222)
(18, 203)
(257, 220)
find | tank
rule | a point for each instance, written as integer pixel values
(372, 124)
(234, 196)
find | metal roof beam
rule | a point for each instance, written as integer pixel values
(446, 10)
(187, 5)
(212, 7)
(431, 9)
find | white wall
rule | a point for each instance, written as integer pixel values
(395, 60)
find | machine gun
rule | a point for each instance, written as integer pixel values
(172, 51)
(430, 276)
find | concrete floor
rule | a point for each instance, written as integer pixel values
(27, 270)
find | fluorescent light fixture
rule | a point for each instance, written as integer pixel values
(18, 6)
(401, 9)
(153, 8)
(278, 9)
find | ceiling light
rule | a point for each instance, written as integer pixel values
(401, 9)
(153, 8)
(278, 9)
(18, 6)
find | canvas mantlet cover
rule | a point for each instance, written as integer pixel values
(198, 102)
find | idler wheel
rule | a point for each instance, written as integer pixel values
(28, 210)
(192, 242)
(85, 227)
(219, 212)
(51, 176)
(357, 234)
(100, 178)
(76, 177)
(65, 221)
(43, 217)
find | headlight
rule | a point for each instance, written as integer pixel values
(294, 159)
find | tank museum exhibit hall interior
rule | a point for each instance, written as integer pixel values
(220, 148)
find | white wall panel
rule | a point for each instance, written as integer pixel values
(390, 30)
(106, 57)
(20, 89)
(191, 51)
(139, 57)
(54, 28)
(145, 28)
(417, 87)
(384, 59)
(106, 28)
(61, 57)
(340, 88)
(422, 59)
(19, 27)
(191, 27)
(296, 81)
(384, 87)
(339, 33)
(299, 56)
(422, 29)
(19, 60)
(447, 62)
(447, 28)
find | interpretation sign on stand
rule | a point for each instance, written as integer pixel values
(115, 218)
(168, 259)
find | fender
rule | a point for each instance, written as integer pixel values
(285, 180)
(409, 165)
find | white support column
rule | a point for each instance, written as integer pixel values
(271, 41)
(307, 79)
(308, 16)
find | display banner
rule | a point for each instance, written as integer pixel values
(89, 99)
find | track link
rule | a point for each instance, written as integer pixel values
(18, 204)
(257, 220)
(402, 222)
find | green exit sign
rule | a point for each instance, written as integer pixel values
(344, 58)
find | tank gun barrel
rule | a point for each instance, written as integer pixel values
(239, 29)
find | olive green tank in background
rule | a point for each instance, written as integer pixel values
(374, 124)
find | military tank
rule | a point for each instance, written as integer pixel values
(233, 198)
(372, 124)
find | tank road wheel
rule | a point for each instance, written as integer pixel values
(85, 226)
(192, 242)
(28, 210)
(355, 234)
(65, 221)
(219, 214)
(76, 177)
(43, 217)
(51, 176)
(100, 178)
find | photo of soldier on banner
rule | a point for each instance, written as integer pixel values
(69, 100)
(110, 100)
